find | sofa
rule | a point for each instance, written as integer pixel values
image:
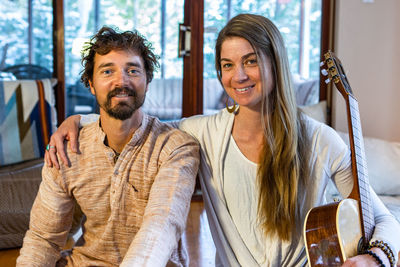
(383, 164)
(164, 97)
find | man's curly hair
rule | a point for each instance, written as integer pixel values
(108, 39)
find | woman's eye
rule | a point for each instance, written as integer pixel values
(226, 65)
(251, 61)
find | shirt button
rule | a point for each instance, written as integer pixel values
(110, 154)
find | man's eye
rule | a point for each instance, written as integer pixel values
(107, 72)
(133, 71)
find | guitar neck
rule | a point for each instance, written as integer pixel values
(360, 172)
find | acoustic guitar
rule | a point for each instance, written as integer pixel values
(340, 230)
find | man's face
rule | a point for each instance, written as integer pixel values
(119, 83)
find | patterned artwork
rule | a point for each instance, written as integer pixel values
(27, 119)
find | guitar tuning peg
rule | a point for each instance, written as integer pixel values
(327, 81)
(324, 72)
(321, 63)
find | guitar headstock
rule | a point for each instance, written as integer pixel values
(336, 73)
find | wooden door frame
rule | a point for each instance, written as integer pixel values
(192, 87)
(327, 43)
(59, 58)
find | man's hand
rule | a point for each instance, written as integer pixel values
(367, 260)
(68, 130)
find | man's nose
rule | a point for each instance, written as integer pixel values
(121, 78)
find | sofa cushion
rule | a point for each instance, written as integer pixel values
(383, 164)
(393, 204)
(164, 98)
(316, 111)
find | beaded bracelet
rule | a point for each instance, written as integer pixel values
(376, 257)
(385, 248)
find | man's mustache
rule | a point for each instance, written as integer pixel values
(121, 90)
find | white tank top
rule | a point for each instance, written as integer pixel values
(242, 199)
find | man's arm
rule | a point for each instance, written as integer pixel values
(166, 212)
(69, 131)
(50, 222)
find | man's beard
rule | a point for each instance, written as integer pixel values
(123, 110)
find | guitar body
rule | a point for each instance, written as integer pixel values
(332, 233)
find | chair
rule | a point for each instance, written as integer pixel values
(80, 100)
(28, 72)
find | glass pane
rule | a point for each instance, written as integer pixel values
(17, 44)
(300, 26)
(157, 20)
(14, 32)
(215, 17)
(42, 18)
(78, 27)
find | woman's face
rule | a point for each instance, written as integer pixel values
(240, 71)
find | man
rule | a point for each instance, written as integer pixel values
(133, 179)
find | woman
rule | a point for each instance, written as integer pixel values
(264, 164)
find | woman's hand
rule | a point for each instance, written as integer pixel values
(367, 260)
(68, 130)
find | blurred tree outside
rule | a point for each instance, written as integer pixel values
(286, 16)
(14, 32)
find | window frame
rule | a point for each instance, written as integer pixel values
(192, 94)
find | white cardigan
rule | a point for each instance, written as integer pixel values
(330, 158)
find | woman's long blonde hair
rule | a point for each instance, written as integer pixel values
(283, 168)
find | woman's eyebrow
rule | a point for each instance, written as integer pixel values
(248, 55)
(243, 57)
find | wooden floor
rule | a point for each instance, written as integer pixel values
(197, 239)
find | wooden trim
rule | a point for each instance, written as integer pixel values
(59, 57)
(327, 43)
(192, 86)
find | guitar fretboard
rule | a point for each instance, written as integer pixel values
(362, 171)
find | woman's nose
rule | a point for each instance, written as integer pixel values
(240, 74)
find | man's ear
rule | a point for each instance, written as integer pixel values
(92, 88)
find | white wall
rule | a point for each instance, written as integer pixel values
(367, 41)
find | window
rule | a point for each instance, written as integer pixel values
(157, 20)
(299, 21)
(26, 33)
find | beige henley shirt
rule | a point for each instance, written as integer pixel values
(135, 206)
